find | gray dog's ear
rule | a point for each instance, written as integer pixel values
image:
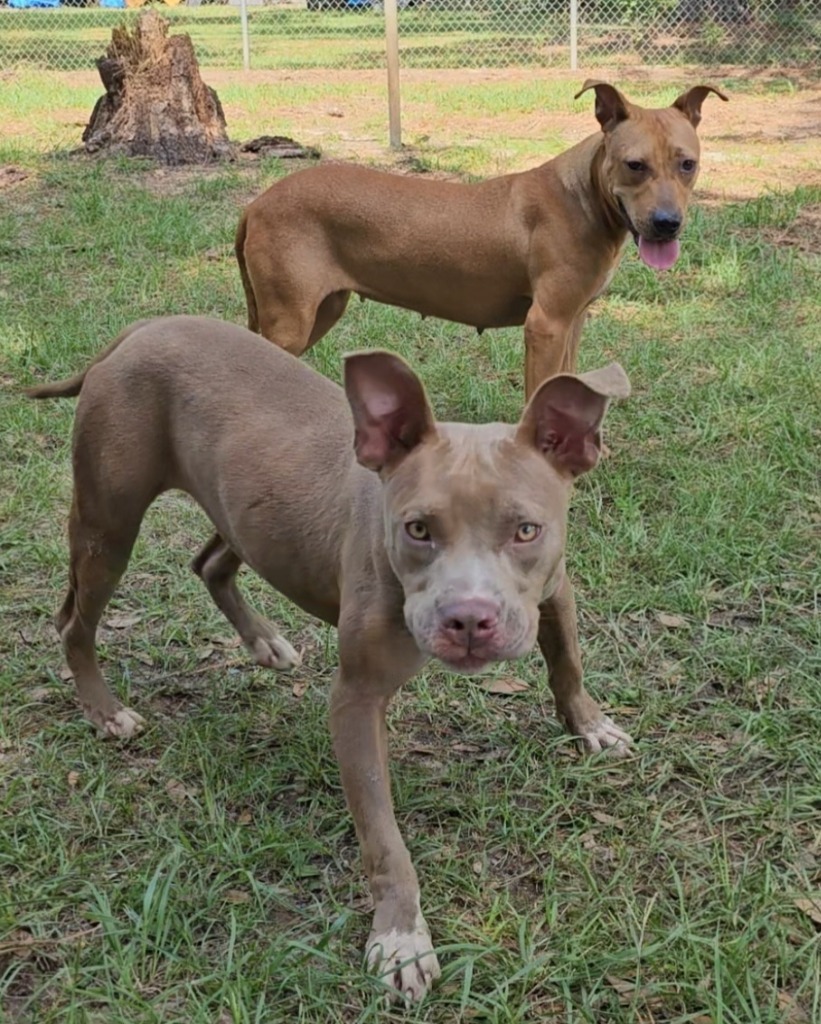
(689, 103)
(390, 409)
(563, 418)
(611, 106)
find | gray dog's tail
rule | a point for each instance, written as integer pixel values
(239, 250)
(71, 387)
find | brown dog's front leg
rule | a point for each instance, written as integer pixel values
(546, 343)
(399, 948)
(559, 643)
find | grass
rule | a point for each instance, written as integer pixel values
(207, 872)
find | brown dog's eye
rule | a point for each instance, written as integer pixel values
(417, 530)
(635, 165)
(688, 166)
(527, 532)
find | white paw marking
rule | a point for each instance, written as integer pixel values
(123, 724)
(274, 652)
(405, 961)
(606, 735)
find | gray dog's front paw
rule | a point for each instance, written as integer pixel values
(274, 652)
(606, 735)
(405, 961)
(122, 724)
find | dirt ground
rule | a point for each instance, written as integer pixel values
(767, 137)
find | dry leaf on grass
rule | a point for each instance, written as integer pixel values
(66, 674)
(811, 907)
(607, 819)
(178, 791)
(792, 1012)
(671, 621)
(299, 688)
(237, 896)
(245, 817)
(505, 685)
(19, 943)
(629, 993)
(123, 620)
(226, 641)
(73, 778)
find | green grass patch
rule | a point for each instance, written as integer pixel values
(208, 872)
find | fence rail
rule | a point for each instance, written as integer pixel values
(439, 33)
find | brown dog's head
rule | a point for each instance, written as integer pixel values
(651, 161)
(475, 516)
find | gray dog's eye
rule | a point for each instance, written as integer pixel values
(417, 530)
(527, 532)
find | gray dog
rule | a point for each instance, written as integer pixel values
(417, 539)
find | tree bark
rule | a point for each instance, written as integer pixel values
(156, 104)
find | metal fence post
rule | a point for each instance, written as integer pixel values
(392, 53)
(246, 48)
(574, 35)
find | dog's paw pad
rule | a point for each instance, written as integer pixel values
(605, 735)
(123, 724)
(275, 652)
(405, 961)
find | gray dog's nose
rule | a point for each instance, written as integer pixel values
(666, 224)
(466, 621)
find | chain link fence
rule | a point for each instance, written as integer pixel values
(436, 33)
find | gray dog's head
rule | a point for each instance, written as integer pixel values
(475, 516)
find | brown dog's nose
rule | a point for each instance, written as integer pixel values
(466, 621)
(666, 224)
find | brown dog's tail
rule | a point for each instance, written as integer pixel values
(71, 387)
(239, 250)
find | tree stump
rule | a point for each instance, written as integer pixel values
(156, 104)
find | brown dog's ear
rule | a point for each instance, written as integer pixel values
(611, 106)
(563, 418)
(689, 103)
(390, 409)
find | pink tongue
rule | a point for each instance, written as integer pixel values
(658, 255)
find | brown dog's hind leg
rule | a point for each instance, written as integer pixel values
(217, 566)
(288, 326)
(559, 643)
(100, 546)
(330, 310)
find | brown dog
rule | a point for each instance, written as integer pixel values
(533, 248)
(416, 539)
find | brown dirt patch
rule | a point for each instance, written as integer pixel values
(759, 141)
(804, 233)
(767, 137)
(11, 176)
